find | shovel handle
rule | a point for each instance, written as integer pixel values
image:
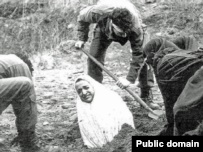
(136, 97)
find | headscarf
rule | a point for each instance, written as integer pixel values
(102, 119)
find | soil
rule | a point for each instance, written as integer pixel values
(57, 125)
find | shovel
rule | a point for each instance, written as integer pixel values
(155, 114)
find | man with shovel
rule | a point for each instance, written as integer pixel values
(116, 21)
(178, 67)
(17, 89)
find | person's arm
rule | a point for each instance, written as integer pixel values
(84, 20)
(148, 52)
(136, 41)
(186, 43)
(3, 73)
(91, 14)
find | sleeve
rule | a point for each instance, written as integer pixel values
(186, 43)
(89, 15)
(136, 41)
(3, 72)
(148, 53)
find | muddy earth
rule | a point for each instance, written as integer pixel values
(54, 77)
(56, 99)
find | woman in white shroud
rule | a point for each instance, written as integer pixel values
(101, 112)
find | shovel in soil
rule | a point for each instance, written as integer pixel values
(154, 114)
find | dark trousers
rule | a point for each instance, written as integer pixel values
(188, 110)
(172, 74)
(19, 92)
(146, 77)
(98, 48)
(170, 91)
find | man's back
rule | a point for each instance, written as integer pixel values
(9, 60)
(179, 64)
(12, 66)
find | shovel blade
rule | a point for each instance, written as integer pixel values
(156, 114)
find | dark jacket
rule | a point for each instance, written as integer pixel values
(179, 77)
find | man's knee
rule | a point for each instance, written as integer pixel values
(25, 83)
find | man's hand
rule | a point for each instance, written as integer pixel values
(79, 44)
(123, 83)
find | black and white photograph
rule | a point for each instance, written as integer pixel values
(100, 75)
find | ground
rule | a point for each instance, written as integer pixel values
(56, 99)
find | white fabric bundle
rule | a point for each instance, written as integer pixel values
(102, 119)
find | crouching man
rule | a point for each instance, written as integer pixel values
(178, 67)
(17, 89)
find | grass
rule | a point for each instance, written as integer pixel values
(36, 28)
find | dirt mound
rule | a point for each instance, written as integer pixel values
(122, 142)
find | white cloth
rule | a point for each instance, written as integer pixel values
(102, 119)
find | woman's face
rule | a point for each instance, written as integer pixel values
(85, 91)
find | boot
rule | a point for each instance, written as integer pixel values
(167, 130)
(147, 96)
(28, 141)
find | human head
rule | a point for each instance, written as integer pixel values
(122, 18)
(156, 45)
(85, 90)
(24, 56)
(118, 31)
(151, 48)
